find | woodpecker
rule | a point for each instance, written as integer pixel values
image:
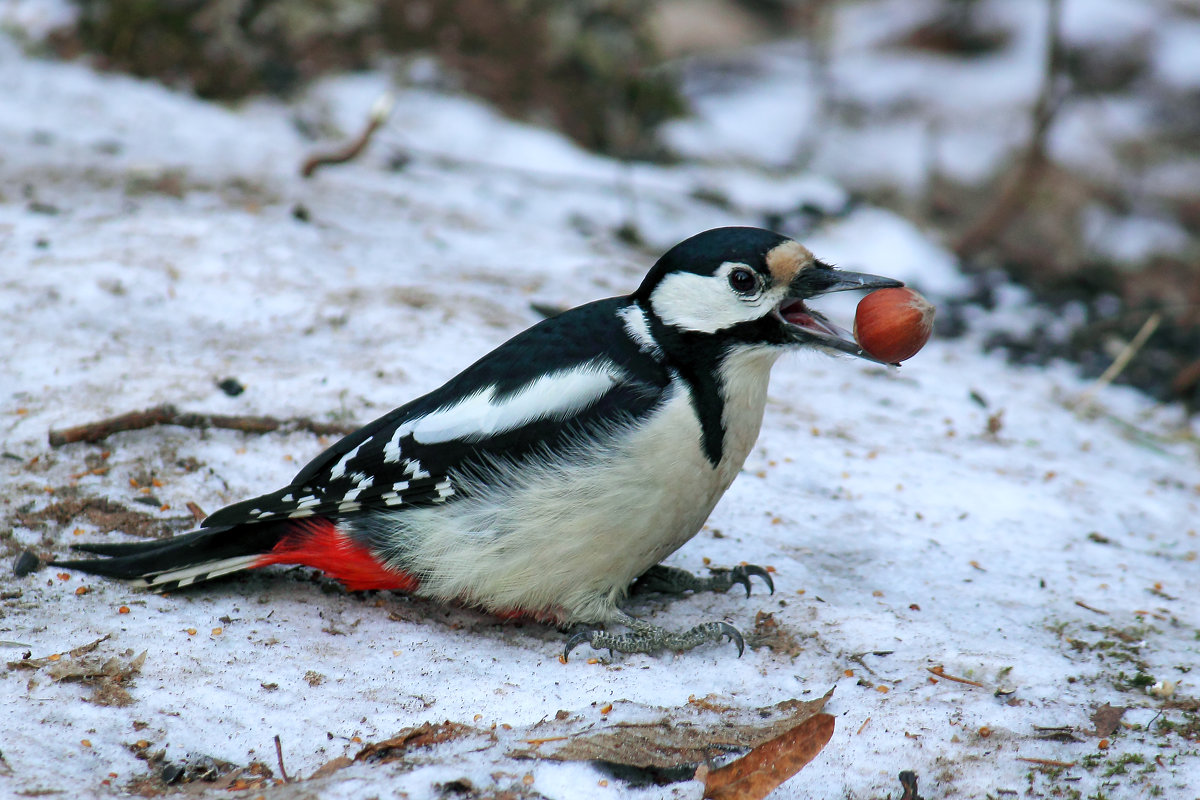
(554, 474)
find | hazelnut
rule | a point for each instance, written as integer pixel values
(893, 324)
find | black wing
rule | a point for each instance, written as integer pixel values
(386, 465)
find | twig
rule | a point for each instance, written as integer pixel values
(279, 758)
(857, 658)
(1082, 604)
(940, 671)
(169, 415)
(1019, 188)
(196, 511)
(1123, 358)
(1046, 762)
(380, 111)
(536, 742)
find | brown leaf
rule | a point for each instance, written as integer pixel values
(330, 767)
(38, 663)
(1106, 719)
(676, 737)
(104, 676)
(421, 736)
(766, 767)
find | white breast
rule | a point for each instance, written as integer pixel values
(568, 539)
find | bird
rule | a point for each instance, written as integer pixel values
(551, 477)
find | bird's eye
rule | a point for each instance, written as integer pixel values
(742, 281)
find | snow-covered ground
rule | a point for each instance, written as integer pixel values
(956, 513)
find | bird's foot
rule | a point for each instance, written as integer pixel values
(672, 580)
(647, 638)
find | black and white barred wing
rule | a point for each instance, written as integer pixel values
(411, 456)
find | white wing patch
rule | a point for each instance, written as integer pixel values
(552, 396)
(639, 329)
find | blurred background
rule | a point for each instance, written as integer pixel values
(1050, 143)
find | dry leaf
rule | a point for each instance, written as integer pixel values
(1106, 719)
(766, 767)
(38, 663)
(678, 737)
(330, 767)
(421, 736)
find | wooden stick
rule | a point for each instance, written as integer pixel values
(1082, 604)
(169, 415)
(1020, 187)
(279, 757)
(1046, 762)
(940, 671)
(380, 111)
(1123, 358)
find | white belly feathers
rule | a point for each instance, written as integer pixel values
(568, 539)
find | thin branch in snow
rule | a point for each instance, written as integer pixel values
(380, 111)
(940, 671)
(1025, 176)
(169, 415)
(279, 758)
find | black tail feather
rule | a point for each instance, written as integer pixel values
(146, 560)
(129, 548)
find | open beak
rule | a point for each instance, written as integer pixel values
(810, 327)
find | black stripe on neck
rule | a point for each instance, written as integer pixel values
(697, 358)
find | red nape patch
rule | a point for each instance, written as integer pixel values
(317, 543)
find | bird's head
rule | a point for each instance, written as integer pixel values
(749, 286)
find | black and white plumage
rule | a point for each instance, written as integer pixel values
(547, 477)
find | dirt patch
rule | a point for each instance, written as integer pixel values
(105, 515)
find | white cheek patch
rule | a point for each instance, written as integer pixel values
(553, 396)
(706, 303)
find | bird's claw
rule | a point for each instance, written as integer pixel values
(734, 635)
(672, 580)
(650, 639)
(741, 574)
(575, 640)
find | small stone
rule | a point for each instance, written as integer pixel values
(26, 563)
(231, 387)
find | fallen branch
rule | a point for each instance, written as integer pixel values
(1048, 762)
(169, 415)
(940, 671)
(279, 758)
(380, 111)
(1122, 360)
(1082, 604)
(1025, 176)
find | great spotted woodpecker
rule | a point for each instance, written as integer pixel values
(558, 470)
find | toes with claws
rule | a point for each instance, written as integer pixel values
(672, 580)
(645, 638)
(741, 574)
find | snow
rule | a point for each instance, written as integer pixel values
(955, 512)
(1130, 239)
(1108, 22)
(1177, 61)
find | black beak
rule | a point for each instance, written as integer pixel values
(809, 327)
(823, 280)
